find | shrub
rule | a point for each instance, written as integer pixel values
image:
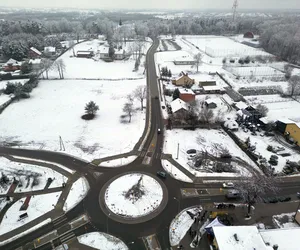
(10, 88)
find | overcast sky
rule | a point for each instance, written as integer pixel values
(154, 4)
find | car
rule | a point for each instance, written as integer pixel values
(156, 97)
(298, 195)
(233, 194)
(228, 185)
(226, 156)
(162, 174)
(284, 199)
(191, 151)
(158, 130)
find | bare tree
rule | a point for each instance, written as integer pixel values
(140, 93)
(71, 46)
(46, 66)
(253, 189)
(198, 58)
(206, 115)
(60, 66)
(128, 109)
(262, 109)
(294, 85)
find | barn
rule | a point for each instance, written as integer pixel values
(249, 34)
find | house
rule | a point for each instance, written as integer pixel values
(34, 53)
(186, 95)
(49, 51)
(179, 107)
(183, 80)
(35, 63)
(289, 128)
(185, 60)
(250, 238)
(231, 124)
(104, 52)
(210, 103)
(212, 89)
(249, 34)
(12, 65)
(85, 54)
(240, 105)
(119, 54)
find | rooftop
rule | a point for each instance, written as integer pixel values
(12, 62)
(178, 104)
(49, 49)
(186, 91)
(35, 61)
(239, 238)
(36, 51)
(241, 105)
(184, 58)
(214, 87)
(119, 52)
(84, 52)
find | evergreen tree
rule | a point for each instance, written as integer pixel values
(176, 94)
(120, 22)
(91, 108)
(169, 73)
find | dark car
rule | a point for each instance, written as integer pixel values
(156, 97)
(191, 151)
(162, 174)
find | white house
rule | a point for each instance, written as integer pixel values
(119, 54)
(104, 52)
(231, 124)
(179, 107)
(36, 63)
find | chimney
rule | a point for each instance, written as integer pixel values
(275, 247)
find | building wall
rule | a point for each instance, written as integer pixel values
(183, 81)
(294, 131)
(187, 97)
(119, 56)
(207, 83)
(281, 127)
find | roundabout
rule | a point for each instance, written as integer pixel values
(133, 197)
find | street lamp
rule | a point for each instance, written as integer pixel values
(178, 203)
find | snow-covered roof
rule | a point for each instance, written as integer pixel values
(35, 61)
(247, 238)
(212, 100)
(186, 91)
(215, 87)
(49, 49)
(231, 124)
(36, 51)
(178, 104)
(241, 105)
(13, 62)
(119, 52)
(286, 121)
(279, 237)
(104, 50)
(264, 120)
(185, 58)
(84, 52)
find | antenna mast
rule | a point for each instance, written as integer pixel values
(234, 7)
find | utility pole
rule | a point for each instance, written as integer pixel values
(234, 7)
(177, 151)
(61, 144)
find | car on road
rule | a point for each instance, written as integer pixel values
(162, 174)
(228, 185)
(233, 194)
(158, 130)
(156, 97)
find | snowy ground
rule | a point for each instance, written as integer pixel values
(285, 220)
(131, 207)
(118, 162)
(4, 98)
(210, 141)
(26, 173)
(181, 224)
(78, 191)
(39, 205)
(278, 106)
(102, 241)
(255, 71)
(5, 82)
(261, 144)
(175, 172)
(3, 203)
(55, 109)
(119, 69)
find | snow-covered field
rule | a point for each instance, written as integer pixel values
(210, 140)
(38, 205)
(55, 109)
(175, 172)
(262, 71)
(181, 224)
(84, 68)
(102, 241)
(279, 107)
(26, 173)
(219, 46)
(133, 206)
(285, 220)
(78, 191)
(4, 98)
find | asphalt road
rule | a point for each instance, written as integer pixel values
(158, 225)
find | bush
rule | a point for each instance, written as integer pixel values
(241, 61)
(10, 88)
(224, 60)
(247, 60)
(88, 116)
